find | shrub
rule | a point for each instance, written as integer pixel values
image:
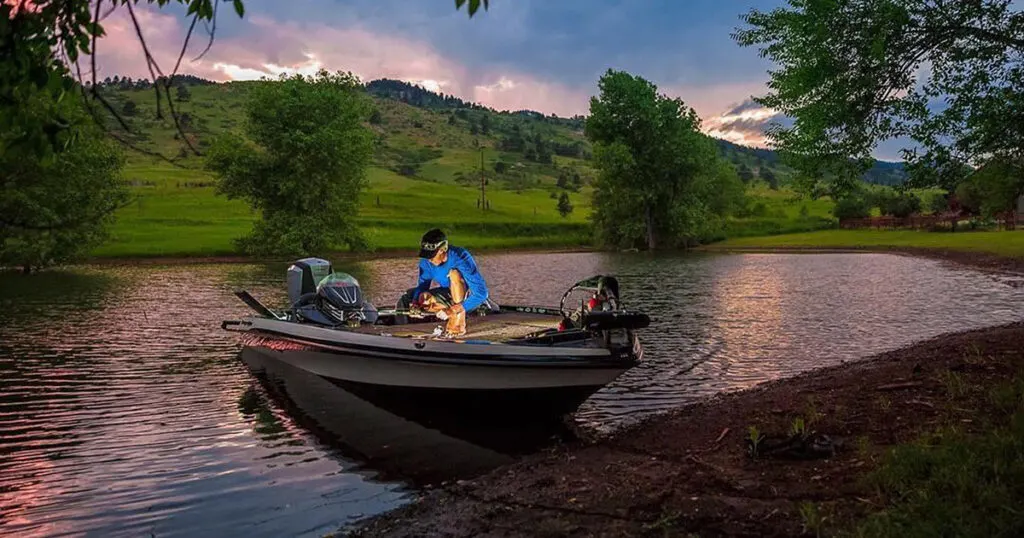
(852, 207)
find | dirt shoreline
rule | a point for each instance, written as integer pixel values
(689, 471)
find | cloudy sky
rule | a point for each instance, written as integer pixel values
(544, 55)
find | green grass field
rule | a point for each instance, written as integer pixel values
(169, 218)
(1002, 243)
(772, 212)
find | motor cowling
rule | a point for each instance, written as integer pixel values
(304, 275)
(339, 297)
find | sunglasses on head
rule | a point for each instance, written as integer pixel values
(435, 246)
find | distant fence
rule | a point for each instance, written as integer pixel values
(1006, 221)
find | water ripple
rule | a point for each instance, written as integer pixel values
(125, 410)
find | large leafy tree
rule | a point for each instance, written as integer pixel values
(850, 73)
(660, 180)
(55, 210)
(302, 164)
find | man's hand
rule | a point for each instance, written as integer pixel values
(453, 310)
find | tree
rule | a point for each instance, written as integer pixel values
(993, 189)
(769, 177)
(564, 206)
(485, 124)
(183, 93)
(54, 210)
(544, 152)
(935, 202)
(853, 73)
(745, 173)
(375, 117)
(853, 206)
(896, 203)
(500, 167)
(657, 172)
(303, 163)
(129, 108)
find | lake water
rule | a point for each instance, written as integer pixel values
(125, 410)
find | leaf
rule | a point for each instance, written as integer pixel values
(474, 5)
(239, 8)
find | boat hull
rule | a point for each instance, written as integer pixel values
(540, 379)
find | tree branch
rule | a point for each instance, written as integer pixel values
(984, 35)
(184, 46)
(213, 30)
(151, 62)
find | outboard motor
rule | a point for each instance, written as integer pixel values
(304, 275)
(340, 299)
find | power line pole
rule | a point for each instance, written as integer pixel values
(483, 182)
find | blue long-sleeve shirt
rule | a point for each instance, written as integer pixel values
(458, 258)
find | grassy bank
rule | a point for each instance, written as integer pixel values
(1007, 244)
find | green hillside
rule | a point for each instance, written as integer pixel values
(431, 153)
(426, 173)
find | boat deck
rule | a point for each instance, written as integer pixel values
(495, 327)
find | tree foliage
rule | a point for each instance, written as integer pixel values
(302, 165)
(564, 205)
(44, 44)
(660, 180)
(897, 203)
(948, 75)
(55, 210)
(992, 189)
(855, 205)
(745, 173)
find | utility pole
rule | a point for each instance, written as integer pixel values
(483, 181)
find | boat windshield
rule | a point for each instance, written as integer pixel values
(335, 279)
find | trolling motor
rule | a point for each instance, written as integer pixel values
(602, 309)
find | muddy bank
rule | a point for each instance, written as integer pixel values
(690, 471)
(975, 260)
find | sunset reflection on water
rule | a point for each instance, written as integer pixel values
(126, 410)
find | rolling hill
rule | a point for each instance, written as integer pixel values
(432, 153)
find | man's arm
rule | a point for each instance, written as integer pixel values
(423, 282)
(474, 280)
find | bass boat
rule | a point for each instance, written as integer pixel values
(512, 358)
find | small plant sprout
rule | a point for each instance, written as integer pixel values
(813, 519)
(798, 428)
(754, 438)
(884, 403)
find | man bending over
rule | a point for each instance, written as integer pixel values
(461, 287)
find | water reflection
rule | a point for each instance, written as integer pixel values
(388, 439)
(125, 410)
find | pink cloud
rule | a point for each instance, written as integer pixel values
(269, 47)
